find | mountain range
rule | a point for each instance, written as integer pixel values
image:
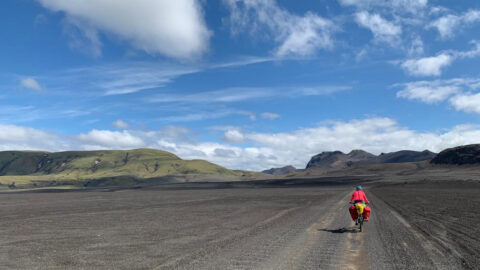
(80, 168)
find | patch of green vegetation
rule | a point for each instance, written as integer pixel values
(27, 169)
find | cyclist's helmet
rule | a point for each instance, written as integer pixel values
(358, 187)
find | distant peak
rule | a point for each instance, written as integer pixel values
(358, 151)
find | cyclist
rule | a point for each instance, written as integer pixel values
(359, 196)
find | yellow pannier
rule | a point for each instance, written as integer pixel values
(360, 207)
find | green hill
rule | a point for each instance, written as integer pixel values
(27, 168)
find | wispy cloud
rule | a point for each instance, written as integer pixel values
(294, 35)
(120, 124)
(131, 77)
(10, 113)
(270, 116)
(238, 94)
(382, 30)
(242, 61)
(398, 6)
(431, 91)
(197, 116)
(449, 25)
(462, 93)
(30, 83)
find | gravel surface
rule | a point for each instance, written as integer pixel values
(446, 213)
(234, 228)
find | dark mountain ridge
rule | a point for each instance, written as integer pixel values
(336, 160)
(461, 155)
(281, 171)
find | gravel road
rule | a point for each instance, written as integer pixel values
(242, 228)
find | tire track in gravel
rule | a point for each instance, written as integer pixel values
(392, 243)
(280, 242)
(354, 253)
(182, 261)
(298, 253)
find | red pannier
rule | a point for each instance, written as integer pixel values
(353, 212)
(366, 213)
(354, 215)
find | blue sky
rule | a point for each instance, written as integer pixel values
(248, 84)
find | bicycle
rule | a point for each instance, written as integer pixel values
(359, 207)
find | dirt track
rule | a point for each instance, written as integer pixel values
(247, 228)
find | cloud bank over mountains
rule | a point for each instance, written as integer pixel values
(247, 149)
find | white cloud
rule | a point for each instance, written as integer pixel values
(270, 116)
(233, 135)
(467, 102)
(427, 66)
(251, 115)
(268, 150)
(224, 153)
(416, 47)
(120, 124)
(106, 139)
(429, 92)
(445, 25)
(382, 29)
(434, 65)
(474, 52)
(375, 135)
(174, 132)
(173, 28)
(462, 93)
(295, 35)
(310, 33)
(14, 137)
(30, 83)
(449, 25)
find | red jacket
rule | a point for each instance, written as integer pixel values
(358, 195)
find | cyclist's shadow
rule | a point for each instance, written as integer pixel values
(341, 230)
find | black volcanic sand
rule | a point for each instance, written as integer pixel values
(204, 226)
(447, 212)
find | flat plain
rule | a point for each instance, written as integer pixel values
(211, 226)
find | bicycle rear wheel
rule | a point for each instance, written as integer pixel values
(360, 219)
